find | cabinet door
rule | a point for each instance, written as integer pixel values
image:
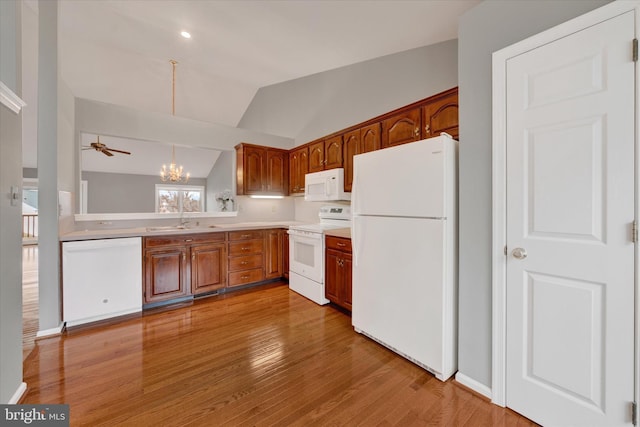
(316, 157)
(208, 267)
(253, 170)
(333, 152)
(369, 138)
(166, 274)
(347, 269)
(273, 254)
(276, 168)
(441, 115)
(285, 253)
(401, 128)
(351, 147)
(332, 278)
(298, 167)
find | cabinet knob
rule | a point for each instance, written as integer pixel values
(427, 129)
(193, 256)
(244, 277)
(245, 236)
(188, 240)
(416, 132)
(244, 263)
(342, 245)
(245, 249)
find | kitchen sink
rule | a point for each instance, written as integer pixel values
(167, 228)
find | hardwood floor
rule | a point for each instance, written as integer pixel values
(264, 357)
(30, 322)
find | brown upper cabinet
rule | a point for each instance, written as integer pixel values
(441, 115)
(283, 172)
(333, 152)
(355, 142)
(261, 170)
(325, 154)
(298, 167)
(401, 128)
(316, 156)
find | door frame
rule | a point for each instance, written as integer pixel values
(499, 170)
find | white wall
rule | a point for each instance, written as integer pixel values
(311, 107)
(488, 27)
(10, 215)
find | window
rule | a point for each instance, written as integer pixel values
(179, 198)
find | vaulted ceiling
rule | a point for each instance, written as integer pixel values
(118, 51)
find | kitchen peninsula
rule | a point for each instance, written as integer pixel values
(174, 264)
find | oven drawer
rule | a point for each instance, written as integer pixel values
(245, 235)
(338, 243)
(245, 262)
(237, 278)
(246, 247)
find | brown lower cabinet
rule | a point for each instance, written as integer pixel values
(246, 257)
(182, 265)
(177, 266)
(338, 271)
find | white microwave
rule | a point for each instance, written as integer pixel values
(325, 186)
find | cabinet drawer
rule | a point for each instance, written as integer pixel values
(245, 262)
(246, 247)
(245, 235)
(247, 276)
(338, 243)
(183, 239)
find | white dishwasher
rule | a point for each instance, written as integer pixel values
(101, 279)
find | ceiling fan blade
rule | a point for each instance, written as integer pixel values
(118, 151)
(107, 153)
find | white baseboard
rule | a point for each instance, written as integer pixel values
(18, 394)
(50, 332)
(474, 385)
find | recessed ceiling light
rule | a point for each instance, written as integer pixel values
(185, 34)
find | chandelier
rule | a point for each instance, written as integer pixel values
(173, 173)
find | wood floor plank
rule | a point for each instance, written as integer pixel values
(264, 357)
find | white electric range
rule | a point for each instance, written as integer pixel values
(306, 252)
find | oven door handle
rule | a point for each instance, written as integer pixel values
(305, 239)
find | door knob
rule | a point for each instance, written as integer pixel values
(519, 253)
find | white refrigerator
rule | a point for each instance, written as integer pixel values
(404, 235)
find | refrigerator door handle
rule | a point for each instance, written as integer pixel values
(354, 215)
(357, 245)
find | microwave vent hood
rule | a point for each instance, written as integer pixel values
(325, 186)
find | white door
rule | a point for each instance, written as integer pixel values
(570, 208)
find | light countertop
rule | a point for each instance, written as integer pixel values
(339, 232)
(111, 233)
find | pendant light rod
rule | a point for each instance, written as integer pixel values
(174, 172)
(173, 87)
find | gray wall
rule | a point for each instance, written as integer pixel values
(222, 177)
(124, 193)
(10, 216)
(316, 105)
(488, 27)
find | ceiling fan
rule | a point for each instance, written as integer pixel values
(98, 146)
